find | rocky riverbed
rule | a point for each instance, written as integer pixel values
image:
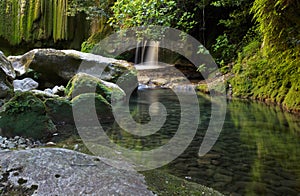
(18, 142)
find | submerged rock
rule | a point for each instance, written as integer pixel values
(25, 115)
(56, 67)
(53, 171)
(25, 84)
(7, 73)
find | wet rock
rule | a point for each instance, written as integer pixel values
(49, 144)
(159, 82)
(7, 73)
(25, 115)
(6, 67)
(59, 90)
(44, 94)
(57, 67)
(18, 64)
(166, 76)
(52, 171)
(49, 91)
(84, 83)
(11, 145)
(24, 85)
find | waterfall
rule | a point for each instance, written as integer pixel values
(151, 57)
(147, 54)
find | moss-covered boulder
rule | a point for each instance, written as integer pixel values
(84, 83)
(7, 73)
(59, 110)
(52, 67)
(25, 115)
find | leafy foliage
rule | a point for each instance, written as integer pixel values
(279, 23)
(269, 70)
(127, 13)
(238, 27)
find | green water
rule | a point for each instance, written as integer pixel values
(257, 153)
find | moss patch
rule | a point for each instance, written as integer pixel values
(164, 184)
(272, 77)
(25, 115)
(84, 83)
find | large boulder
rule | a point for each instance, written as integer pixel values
(84, 83)
(53, 171)
(25, 115)
(7, 73)
(56, 67)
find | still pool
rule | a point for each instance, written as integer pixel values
(257, 152)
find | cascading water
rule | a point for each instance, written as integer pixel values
(152, 73)
(151, 57)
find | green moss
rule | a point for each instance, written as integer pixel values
(30, 20)
(216, 87)
(82, 101)
(87, 46)
(84, 83)
(59, 110)
(272, 78)
(25, 115)
(202, 88)
(292, 98)
(162, 183)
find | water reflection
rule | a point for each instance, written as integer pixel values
(257, 153)
(275, 136)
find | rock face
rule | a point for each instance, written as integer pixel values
(52, 171)
(7, 73)
(57, 67)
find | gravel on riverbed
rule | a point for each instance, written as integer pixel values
(18, 142)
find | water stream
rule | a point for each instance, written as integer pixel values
(257, 153)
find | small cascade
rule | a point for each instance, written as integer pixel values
(151, 57)
(155, 74)
(146, 56)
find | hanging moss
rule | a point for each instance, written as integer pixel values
(30, 20)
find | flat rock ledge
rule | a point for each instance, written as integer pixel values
(55, 171)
